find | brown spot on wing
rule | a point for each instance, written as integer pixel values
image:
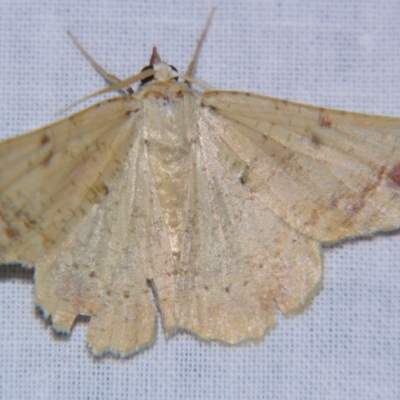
(314, 217)
(98, 192)
(334, 202)
(316, 140)
(394, 174)
(44, 140)
(11, 233)
(212, 108)
(244, 177)
(323, 120)
(29, 222)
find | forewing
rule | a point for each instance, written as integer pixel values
(51, 178)
(329, 174)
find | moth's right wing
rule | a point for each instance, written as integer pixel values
(52, 177)
(77, 201)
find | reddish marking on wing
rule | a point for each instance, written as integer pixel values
(11, 233)
(356, 208)
(370, 187)
(394, 174)
(334, 202)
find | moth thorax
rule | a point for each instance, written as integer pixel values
(163, 72)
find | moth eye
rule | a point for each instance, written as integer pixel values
(174, 69)
(149, 78)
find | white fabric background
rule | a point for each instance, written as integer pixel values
(336, 53)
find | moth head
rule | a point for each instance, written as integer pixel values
(162, 71)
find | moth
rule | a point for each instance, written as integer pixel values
(209, 205)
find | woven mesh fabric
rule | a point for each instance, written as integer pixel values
(336, 53)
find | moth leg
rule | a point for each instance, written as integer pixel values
(109, 78)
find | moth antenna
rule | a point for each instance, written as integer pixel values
(109, 78)
(192, 65)
(121, 84)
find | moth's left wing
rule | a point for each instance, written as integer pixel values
(329, 174)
